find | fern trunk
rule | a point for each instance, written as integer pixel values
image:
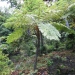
(37, 48)
(42, 44)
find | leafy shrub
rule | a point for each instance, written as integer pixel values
(58, 72)
(64, 58)
(62, 66)
(70, 41)
(49, 62)
(49, 48)
(4, 64)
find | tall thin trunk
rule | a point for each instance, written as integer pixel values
(42, 44)
(38, 39)
(36, 56)
(38, 44)
(38, 47)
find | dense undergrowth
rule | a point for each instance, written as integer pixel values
(54, 63)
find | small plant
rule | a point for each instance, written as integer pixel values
(62, 66)
(49, 62)
(57, 56)
(49, 48)
(58, 71)
(63, 58)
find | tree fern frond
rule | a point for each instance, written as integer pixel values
(71, 9)
(53, 15)
(72, 6)
(49, 31)
(31, 18)
(62, 27)
(15, 35)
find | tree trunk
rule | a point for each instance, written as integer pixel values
(41, 39)
(41, 43)
(36, 56)
(38, 39)
(38, 47)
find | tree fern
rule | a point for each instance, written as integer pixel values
(22, 18)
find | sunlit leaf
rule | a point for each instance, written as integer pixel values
(15, 35)
(49, 31)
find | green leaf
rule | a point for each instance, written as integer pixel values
(49, 31)
(62, 27)
(15, 35)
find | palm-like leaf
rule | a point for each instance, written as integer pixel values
(49, 31)
(62, 27)
(15, 35)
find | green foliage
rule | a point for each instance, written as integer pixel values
(62, 66)
(71, 9)
(49, 62)
(3, 46)
(34, 6)
(63, 58)
(62, 27)
(49, 31)
(18, 20)
(28, 47)
(3, 30)
(15, 35)
(35, 13)
(70, 41)
(4, 67)
(58, 71)
(49, 48)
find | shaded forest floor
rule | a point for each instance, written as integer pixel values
(54, 63)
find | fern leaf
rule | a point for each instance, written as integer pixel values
(62, 27)
(49, 31)
(15, 35)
